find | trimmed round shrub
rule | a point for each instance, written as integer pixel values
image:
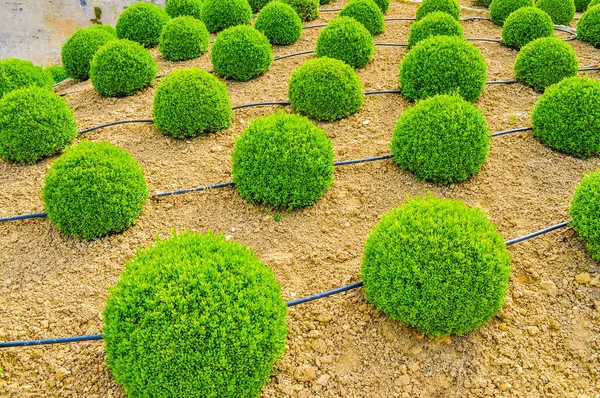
(443, 139)
(143, 23)
(561, 11)
(450, 7)
(80, 48)
(17, 73)
(581, 5)
(434, 24)
(588, 26)
(179, 8)
(121, 68)
(105, 28)
(189, 102)
(194, 316)
(307, 10)
(282, 160)
(257, 5)
(501, 9)
(241, 53)
(443, 65)
(34, 123)
(585, 210)
(222, 14)
(367, 13)
(94, 189)
(593, 3)
(525, 25)
(384, 5)
(183, 38)
(436, 265)
(325, 89)
(280, 23)
(567, 117)
(346, 39)
(57, 72)
(545, 62)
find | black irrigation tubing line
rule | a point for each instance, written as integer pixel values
(588, 68)
(284, 103)
(115, 123)
(61, 82)
(504, 132)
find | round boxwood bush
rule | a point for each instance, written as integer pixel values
(257, 5)
(443, 65)
(307, 10)
(384, 5)
(346, 39)
(80, 48)
(443, 139)
(436, 265)
(567, 117)
(545, 62)
(525, 25)
(501, 9)
(189, 102)
(179, 8)
(194, 316)
(581, 5)
(561, 11)
(222, 14)
(183, 38)
(122, 67)
(241, 53)
(325, 89)
(282, 160)
(280, 23)
(34, 123)
(588, 26)
(367, 13)
(143, 23)
(434, 24)
(94, 189)
(585, 211)
(17, 73)
(450, 7)
(57, 72)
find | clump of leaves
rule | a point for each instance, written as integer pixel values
(280, 23)
(222, 14)
(346, 39)
(561, 11)
(17, 73)
(525, 25)
(143, 23)
(307, 10)
(501, 9)
(367, 13)
(450, 7)
(179, 8)
(183, 38)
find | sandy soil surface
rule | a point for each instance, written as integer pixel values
(544, 342)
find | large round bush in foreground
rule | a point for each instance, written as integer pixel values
(183, 38)
(241, 53)
(434, 24)
(545, 62)
(57, 72)
(501, 9)
(94, 189)
(283, 160)
(122, 67)
(437, 265)
(280, 23)
(80, 48)
(143, 23)
(325, 89)
(567, 117)
(525, 25)
(450, 7)
(443, 65)
(16, 73)
(585, 211)
(561, 11)
(34, 123)
(179, 8)
(189, 102)
(194, 316)
(307, 10)
(443, 139)
(222, 14)
(346, 39)
(588, 26)
(581, 5)
(367, 13)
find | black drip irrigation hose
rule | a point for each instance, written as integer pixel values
(504, 132)
(588, 68)
(61, 82)
(116, 123)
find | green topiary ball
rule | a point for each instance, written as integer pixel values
(593, 3)
(545, 62)
(448, 6)
(222, 14)
(257, 5)
(585, 208)
(183, 38)
(307, 10)
(384, 5)
(280, 23)
(94, 189)
(501, 9)
(325, 89)
(189, 102)
(346, 39)
(561, 11)
(567, 117)
(80, 48)
(436, 265)
(367, 13)
(57, 72)
(122, 67)
(437, 23)
(443, 65)
(179, 8)
(34, 123)
(588, 26)
(16, 73)
(241, 53)
(194, 316)
(443, 139)
(581, 5)
(282, 160)
(525, 25)
(143, 23)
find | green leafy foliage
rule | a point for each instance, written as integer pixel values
(143, 23)
(437, 265)
(593, 3)
(367, 13)
(280, 23)
(94, 189)
(307, 10)
(189, 102)
(105, 28)
(525, 25)
(258, 5)
(34, 123)
(17, 73)
(122, 67)
(183, 38)
(561, 11)
(222, 14)
(588, 26)
(501, 9)
(450, 7)
(384, 5)
(323, 2)
(581, 5)
(585, 211)
(443, 65)
(80, 48)
(346, 39)
(567, 117)
(437, 23)
(546, 61)
(179, 8)
(325, 89)
(483, 3)
(194, 316)
(57, 72)
(443, 139)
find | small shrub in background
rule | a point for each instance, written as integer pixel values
(257, 5)
(585, 211)
(450, 7)
(80, 48)
(307, 10)
(17, 73)
(280, 23)
(57, 72)
(323, 2)
(179, 8)
(581, 5)
(222, 14)
(483, 3)
(525, 25)
(384, 5)
(561, 11)
(501, 9)
(143, 23)
(367, 13)
(346, 39)
(437, 23)
(183, 38)
(588, 26)
(105, 28)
